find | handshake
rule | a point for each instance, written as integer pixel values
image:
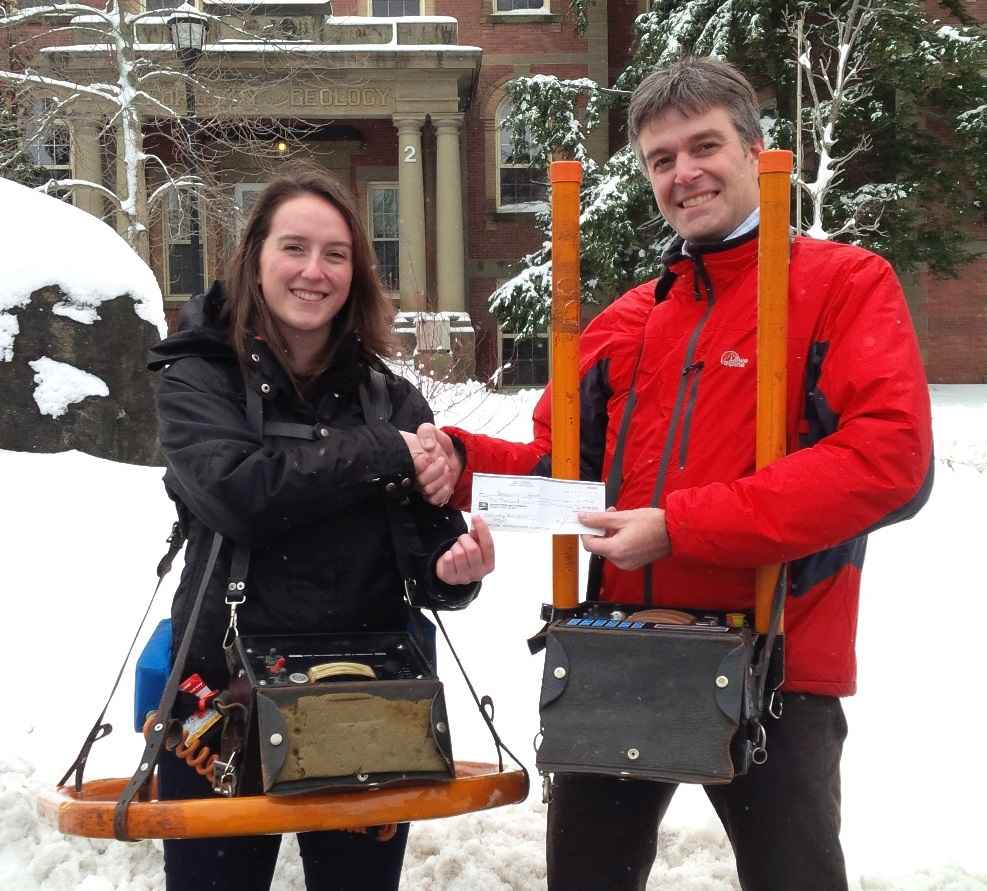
(437, 470)
(437, 463)
(631, 538)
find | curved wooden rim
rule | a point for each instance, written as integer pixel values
(477, 787)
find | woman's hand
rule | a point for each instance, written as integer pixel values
(432, 473)
(439, 481)
(470, 558)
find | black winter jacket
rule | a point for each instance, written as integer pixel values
(313, 512)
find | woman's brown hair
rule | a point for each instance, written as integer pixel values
(366, 313)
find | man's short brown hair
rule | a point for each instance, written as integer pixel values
(693, 86)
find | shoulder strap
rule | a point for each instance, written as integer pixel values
(175, 541)
(156, 735)
(377, 409)
(375, 402)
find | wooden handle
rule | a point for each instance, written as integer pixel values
(566, 177)
(775, 168)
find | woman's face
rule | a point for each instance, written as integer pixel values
(306, 266)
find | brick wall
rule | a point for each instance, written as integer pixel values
(951, 319)
(512, 47)
(951, 314)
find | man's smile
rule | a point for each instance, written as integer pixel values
(696, 200)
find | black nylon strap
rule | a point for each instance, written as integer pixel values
(255, 409)
(99, 729)
(763, 667)
(239, 567)
(375, 401)
(376, 407)
(291, 431)
(156, 736)
(482, 703)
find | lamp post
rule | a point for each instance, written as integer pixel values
(188, 35)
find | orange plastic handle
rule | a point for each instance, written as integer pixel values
(775, 168)
(566, 177)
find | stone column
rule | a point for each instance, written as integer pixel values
(451, 272)
(411, 212)
(86, 164)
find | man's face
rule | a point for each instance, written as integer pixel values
(703, 175)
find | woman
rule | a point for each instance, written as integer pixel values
(301, 321)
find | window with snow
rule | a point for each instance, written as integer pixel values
(245, 196)
(49, 143)
(185, 237)
(524, 359)
(520, 188)
(393, 8)
(382, 200)
(521, 6)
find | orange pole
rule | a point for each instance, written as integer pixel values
(775, 168)
(566, 177)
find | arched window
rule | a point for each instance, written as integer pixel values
(520, 187)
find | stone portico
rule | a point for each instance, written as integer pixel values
(392, 94)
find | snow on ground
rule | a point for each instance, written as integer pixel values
(81, 537)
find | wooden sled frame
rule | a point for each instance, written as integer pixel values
(476, 787)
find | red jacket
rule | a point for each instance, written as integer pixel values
(859, 437)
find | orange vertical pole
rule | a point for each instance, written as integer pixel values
(775, 168)
(566, 177)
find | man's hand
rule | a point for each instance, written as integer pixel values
(470, 558)
(633, 539)
(439, 477)
(430, 469)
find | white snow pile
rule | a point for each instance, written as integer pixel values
(59, 385)
(50, 242)
(76, 569)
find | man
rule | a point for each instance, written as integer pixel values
(668, 406)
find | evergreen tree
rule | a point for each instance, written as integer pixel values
(909, 135)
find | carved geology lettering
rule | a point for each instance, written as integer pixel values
(342, 97)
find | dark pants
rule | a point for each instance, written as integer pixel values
(782, 818)
(333, 861)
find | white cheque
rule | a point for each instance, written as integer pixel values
(536, 502)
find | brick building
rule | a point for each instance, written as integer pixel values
(405, 100)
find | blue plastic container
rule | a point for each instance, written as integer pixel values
(152, 671)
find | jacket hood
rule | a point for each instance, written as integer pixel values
(201, 332)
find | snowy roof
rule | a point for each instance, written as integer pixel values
(377, 19)
(47, 241)
(261, 3)
(277, 46)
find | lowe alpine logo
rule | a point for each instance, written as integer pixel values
(733, 359)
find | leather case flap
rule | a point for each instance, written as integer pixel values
(729, 682)
(273, 739)
(556, 672)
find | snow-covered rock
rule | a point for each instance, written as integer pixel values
(78, 311)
